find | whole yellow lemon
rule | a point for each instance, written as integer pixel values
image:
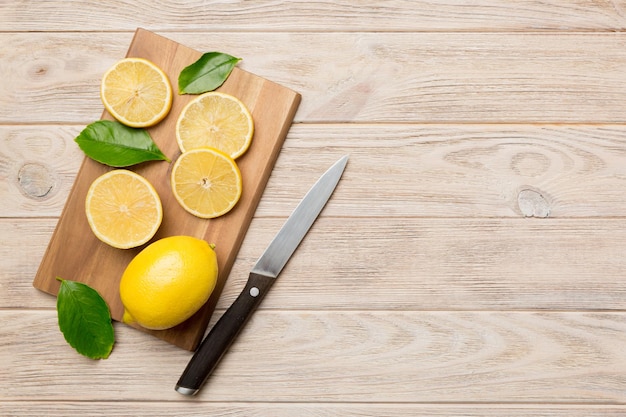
(168, 281)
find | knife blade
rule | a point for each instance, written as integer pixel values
(260, 280)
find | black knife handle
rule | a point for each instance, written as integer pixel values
(222, 335)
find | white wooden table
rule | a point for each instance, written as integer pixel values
(471, 262)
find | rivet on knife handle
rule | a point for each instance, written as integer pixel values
(263, 275)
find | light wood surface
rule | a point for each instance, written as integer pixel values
(471, 262)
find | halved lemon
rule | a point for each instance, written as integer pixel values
(136, 92)
(123, 209)
(206, 182)
(215, 120)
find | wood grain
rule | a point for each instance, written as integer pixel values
(368, 15)
(364, 77)
(312, 409)
(477, 171)
(386, 357)
(402, 264)
(75, 253)
(38, 165)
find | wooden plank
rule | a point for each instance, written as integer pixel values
(75, 253)
(364, 77)
(340, 357)
(259, 409)
(459, 170)
(403, 263)
(394, 171)
(368, 15)
(435, 264)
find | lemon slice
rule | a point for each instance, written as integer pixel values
(215, 120)
(206, 182)
(136, 92)
(123, 209)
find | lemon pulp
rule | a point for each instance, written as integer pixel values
(136, 92)
(123, 209)
(216, 120)
(206, 182)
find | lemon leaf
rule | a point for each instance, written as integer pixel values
(207, 73)
(114, 144)
(85, 319)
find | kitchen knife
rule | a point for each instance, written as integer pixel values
(261, 278)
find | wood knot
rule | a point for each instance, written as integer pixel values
(532, 204)
(38, 71)
(35, 180)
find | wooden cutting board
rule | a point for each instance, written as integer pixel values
(74, 253)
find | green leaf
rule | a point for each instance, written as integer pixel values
(207, 73)
(117, 145)
(85, 319)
